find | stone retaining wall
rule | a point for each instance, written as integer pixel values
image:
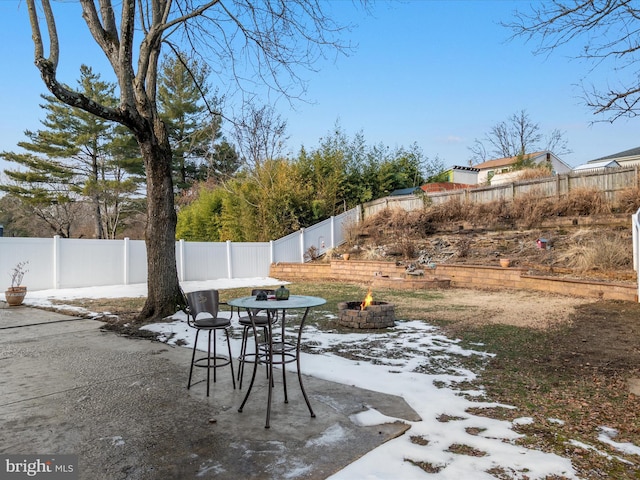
(388, 274)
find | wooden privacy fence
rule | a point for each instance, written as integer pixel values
(635, 230)
(56, 263)
(610, 182)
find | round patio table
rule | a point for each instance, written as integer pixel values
(282, 352)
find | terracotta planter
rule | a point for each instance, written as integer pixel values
(345, 256)
(505, 262)
(15, 295)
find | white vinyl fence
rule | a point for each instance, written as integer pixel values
(56, 263)
(635, 229)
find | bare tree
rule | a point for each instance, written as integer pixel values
(261, 135)
(518, 135)
(608, 31)
(252, 43)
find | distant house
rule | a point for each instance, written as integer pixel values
(596, 165)
(627, 158)
(487, 170)
(444, 186)
(405, 191)
(462, 175)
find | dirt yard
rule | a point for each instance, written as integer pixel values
(592, 335)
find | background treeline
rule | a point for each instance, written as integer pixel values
(278, 196)
(81, 176)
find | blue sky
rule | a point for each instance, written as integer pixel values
(438, 73)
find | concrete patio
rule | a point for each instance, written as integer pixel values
(122, 406)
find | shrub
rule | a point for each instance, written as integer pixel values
(531, 208)
(628, 201)
(604, 253)
(452, 210)
(533, 173)
(583, 201)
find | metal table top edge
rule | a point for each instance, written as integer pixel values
(294, 301)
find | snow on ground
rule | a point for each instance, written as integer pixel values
(412, 360)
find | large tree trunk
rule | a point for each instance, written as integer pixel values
(162, 282)
(97, 211)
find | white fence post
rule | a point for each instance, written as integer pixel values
(333, 232)
(125, 254)
(635, 238)
(56, 261)
(229, 266)
(181, 260)
(271, 252)
(302, 245)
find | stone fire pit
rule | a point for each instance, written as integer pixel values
(376, 315)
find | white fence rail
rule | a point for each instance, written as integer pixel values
(56, 263)
(635, 230)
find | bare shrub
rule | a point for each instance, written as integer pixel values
(531, 208)
(311, 254)
(420, 223)
(533, 173)
(628, 200)
(603, 253)
(375, 226)
(407, 248)
(497, 211)
(351, 230)
(583, 201)
(450, 211)
(372, 252)
(464, 247)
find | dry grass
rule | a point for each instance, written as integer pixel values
(531, 208)
(458, 230)
(488, 213)
(583, 201)
(533, 173)
(604, 253)
(628, 201)
(451, 211)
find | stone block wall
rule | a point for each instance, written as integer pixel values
(388, 274)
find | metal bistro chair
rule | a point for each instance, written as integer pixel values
(261, 323)
(202, 314)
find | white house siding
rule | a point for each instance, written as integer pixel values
(467, 177)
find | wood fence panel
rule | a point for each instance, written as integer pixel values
(611, 182)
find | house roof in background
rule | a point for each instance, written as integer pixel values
(592, 165)
(405, 191)
(461, 167)
(445, 186)
(506, 161)
(633, 152)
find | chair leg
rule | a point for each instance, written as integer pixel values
(193, 359)
(209, 360)
(233, 377)
(215, 354)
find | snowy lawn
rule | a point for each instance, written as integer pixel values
(413, 360)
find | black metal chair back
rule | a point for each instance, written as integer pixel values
(203, 301)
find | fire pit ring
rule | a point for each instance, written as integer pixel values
(375, 315)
